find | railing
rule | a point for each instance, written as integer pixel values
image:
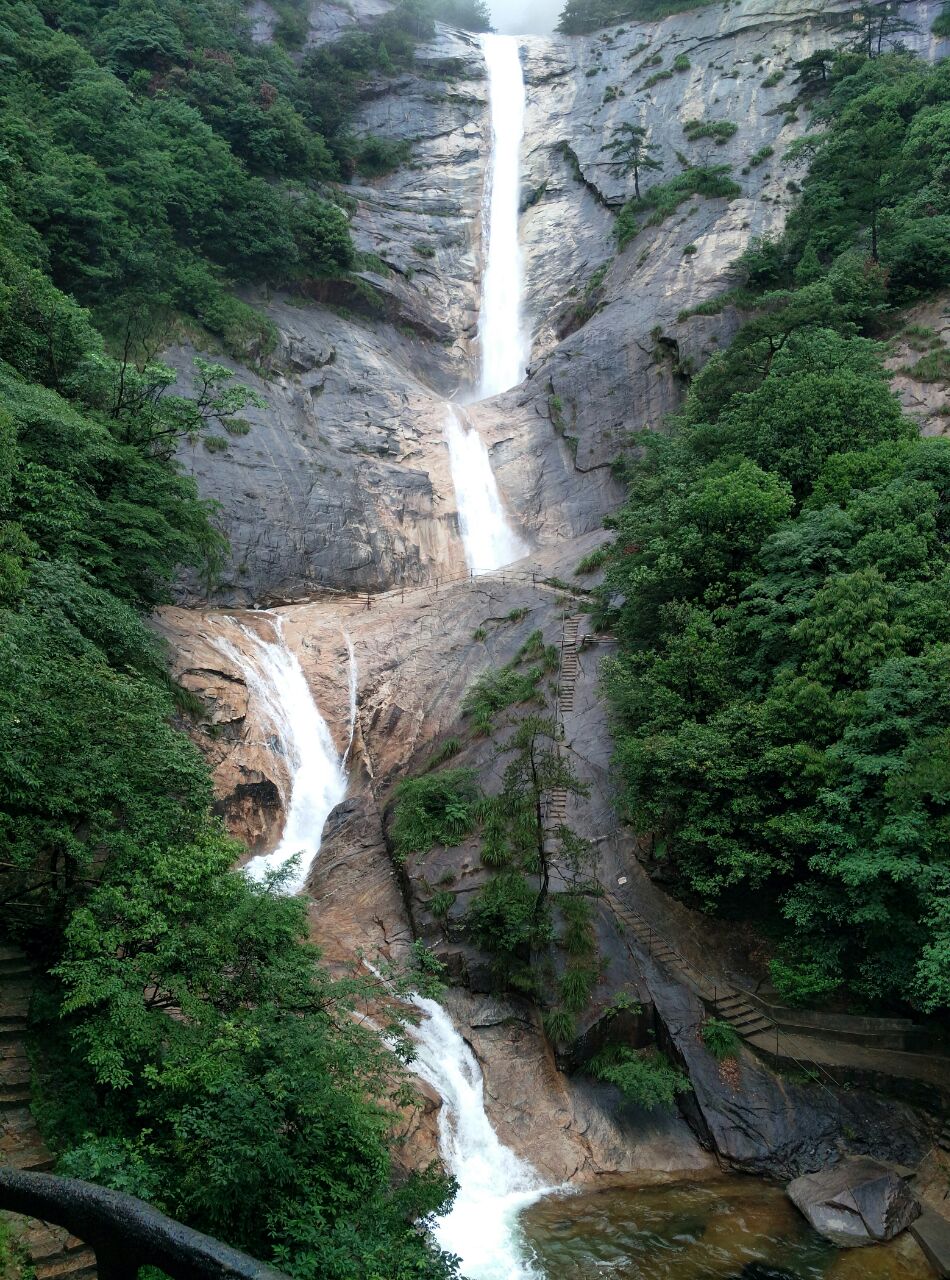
(125, 1233)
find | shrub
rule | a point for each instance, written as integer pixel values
(449, 748)
(681, 62)
(655, 79)
(577, 987)
(719, 130)
(720, 1038)
(593, 561)
(496, 689)
(643, 1076)
(711, 181)
(560, 1025)
(438, 808)
(442, 903)
(757, 157)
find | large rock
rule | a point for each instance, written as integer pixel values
(858, 1202)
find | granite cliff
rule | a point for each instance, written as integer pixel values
(342, 517)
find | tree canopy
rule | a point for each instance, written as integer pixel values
(781, 701)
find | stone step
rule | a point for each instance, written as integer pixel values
(932, 1233)
(755, 1028)
(80, 1265)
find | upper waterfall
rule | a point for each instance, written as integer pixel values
(489, 540)
(504, 343)
(317, 772)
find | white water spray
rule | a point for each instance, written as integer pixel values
(504, 344)
(353, 693)
(317, 774)
(493, 1184)
(487, 535)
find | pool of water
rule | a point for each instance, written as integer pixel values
(729, 1229)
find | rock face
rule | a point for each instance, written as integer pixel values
(858, 1202)
(343, 488)
(343, 482)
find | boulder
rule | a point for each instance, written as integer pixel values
(858, 1202)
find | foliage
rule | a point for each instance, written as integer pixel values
(158, 155)
(230, 1083)
(781, 702)
(631, 152)
(875, 179)
(511, 916)
(593, 561)
(720, 1038)
(507, 686)
(643, 1076)
(436, 808)
(719, 130)
(580, 16)
(663, 199)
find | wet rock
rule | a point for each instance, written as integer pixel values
(858, 1202)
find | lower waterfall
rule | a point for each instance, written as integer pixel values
(317, 772)
(489, 540)
(494, 1185)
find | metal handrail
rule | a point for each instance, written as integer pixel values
(126, 1233)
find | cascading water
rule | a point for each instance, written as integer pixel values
(493, 1184)
(501, 331)
(351, 653)
(317, 773)
(487, 534)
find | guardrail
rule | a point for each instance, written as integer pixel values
(124, 1233)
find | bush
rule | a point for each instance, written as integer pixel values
(719, 130)
(643, 1076)
(376, 157)
(438, 808)
(593, 561)
(560, 1026)
(720, 1038)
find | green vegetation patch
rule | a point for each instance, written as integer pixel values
(516, 682)
(719, 130)
(643, 1076)
(781, 704)
(580, 16)
(664, 198)
(720, 1038)
(436, 808)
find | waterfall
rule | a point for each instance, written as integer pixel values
(493, 1184)
(317, 774)
(504, 344)
(487, 536)
(351, 652)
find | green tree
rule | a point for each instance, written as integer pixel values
(632, 153)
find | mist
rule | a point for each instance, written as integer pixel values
(525, 17)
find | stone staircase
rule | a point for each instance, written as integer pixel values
(567, 681)
(54, 1253)
(724, 1001)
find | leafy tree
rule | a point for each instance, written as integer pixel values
(632, 153)
(878, 25)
